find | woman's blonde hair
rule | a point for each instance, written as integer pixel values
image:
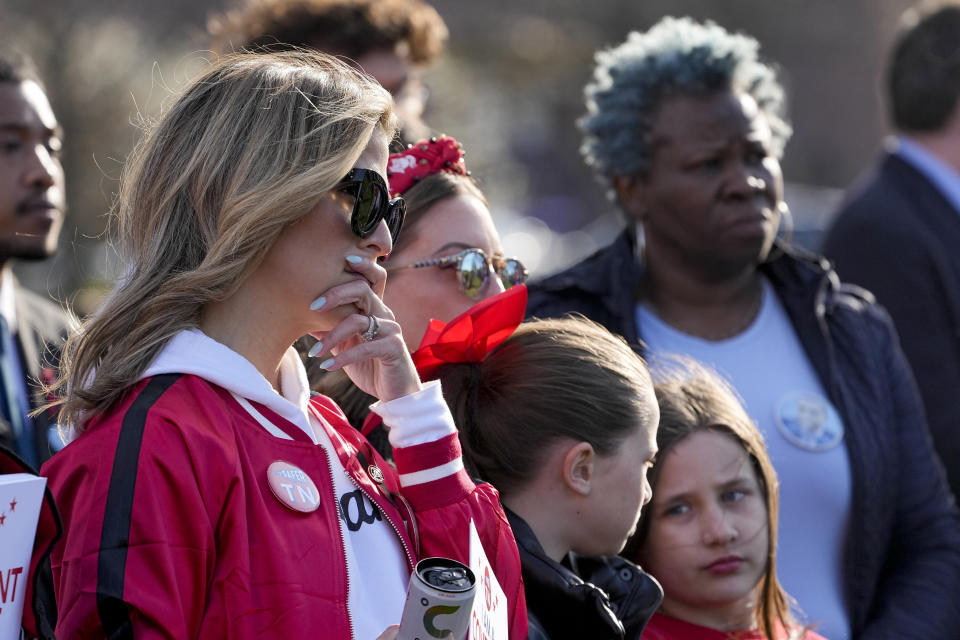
(249, 148)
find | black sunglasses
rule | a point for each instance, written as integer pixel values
(372, 203)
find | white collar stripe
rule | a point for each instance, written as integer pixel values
(259, 417)
(430, 475)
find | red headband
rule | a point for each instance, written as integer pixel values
(422, 159)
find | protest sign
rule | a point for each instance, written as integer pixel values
(21, 496)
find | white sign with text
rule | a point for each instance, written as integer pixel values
(488, 619)
(21, 496)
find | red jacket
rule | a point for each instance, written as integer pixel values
(173, 532)
(663, 627)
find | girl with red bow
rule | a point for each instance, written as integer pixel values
(560, 416)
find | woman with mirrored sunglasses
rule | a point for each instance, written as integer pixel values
(206, 492)
(448, 258)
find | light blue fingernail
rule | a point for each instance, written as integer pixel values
(315, 349)
(318, 303)
(326, 364)
(354, 259)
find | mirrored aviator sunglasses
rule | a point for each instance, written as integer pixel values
(372, 203)
(473, 269)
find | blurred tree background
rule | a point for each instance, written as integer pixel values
(509, 87)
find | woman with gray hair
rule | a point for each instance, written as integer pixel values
(686, 126)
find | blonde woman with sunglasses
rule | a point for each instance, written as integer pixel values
(205, 493)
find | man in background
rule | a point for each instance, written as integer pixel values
(32, 205)
(392, 40)
(898, 233)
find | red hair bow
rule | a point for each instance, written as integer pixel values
(473, 334)
(467, 338)
(422, 159)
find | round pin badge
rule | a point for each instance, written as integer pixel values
(293, 487)
(809, 421)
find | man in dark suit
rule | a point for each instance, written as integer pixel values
(898, 233)
(32, 329)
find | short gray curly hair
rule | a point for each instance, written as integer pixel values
(677, 56)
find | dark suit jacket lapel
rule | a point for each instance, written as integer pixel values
(939, 219)
(37, 352)
(32, 347)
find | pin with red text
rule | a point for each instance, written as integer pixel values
(292, 487)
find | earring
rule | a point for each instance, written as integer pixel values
(639, 244)
(784, 232)
(785, 228)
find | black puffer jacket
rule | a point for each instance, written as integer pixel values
(605, 598)
(902, 554)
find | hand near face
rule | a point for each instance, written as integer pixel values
(378, 362)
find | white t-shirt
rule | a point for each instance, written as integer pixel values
(376, 561)
(804, 434)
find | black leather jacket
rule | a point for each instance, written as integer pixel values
(597, 598)
(901, 567)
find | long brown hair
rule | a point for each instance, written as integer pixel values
(247, 150)
(692, 399)
(435, 187)
(562, 378)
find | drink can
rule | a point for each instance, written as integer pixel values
(439, 600)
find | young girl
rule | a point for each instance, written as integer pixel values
(709, 535)
(561, 418)
(206, 494)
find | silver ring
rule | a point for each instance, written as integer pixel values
(372, 329)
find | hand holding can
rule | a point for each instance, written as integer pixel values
(439, 600)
